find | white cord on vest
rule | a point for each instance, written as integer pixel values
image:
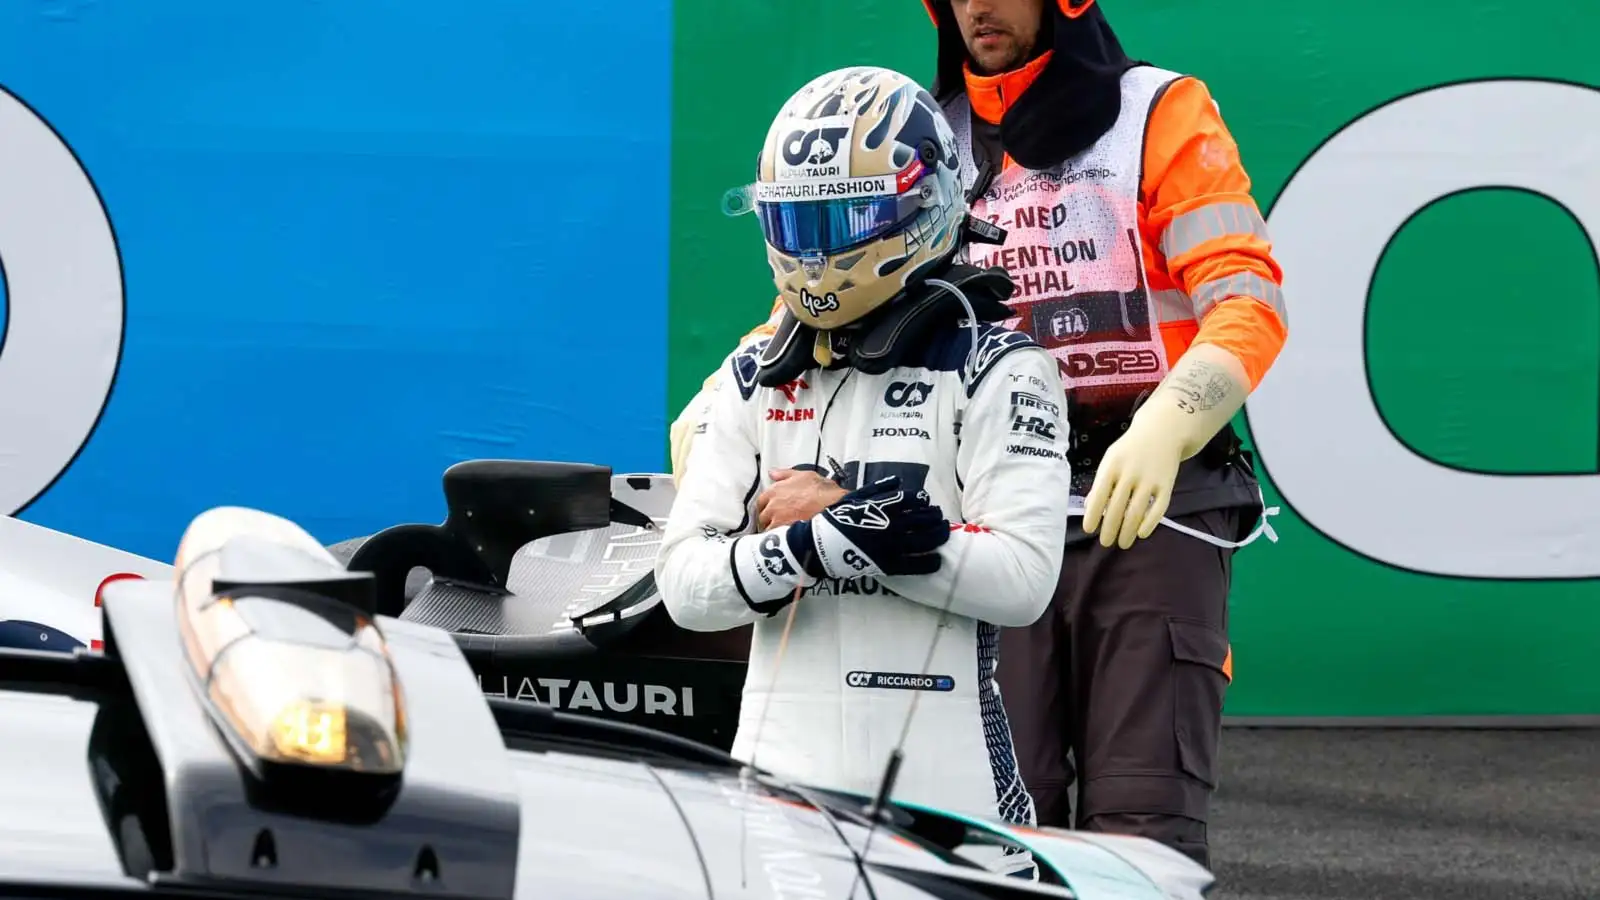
(1075, 507)
(972, 324)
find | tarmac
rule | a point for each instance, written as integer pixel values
(1413, 814)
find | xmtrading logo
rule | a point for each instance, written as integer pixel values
(1314, 419)
(62, 339)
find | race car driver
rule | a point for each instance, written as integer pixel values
(887, 374)
(1143, 264)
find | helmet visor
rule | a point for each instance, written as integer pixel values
(826, 227)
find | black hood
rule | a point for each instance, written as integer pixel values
(1073, 102)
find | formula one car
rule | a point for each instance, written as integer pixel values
(543, 571)
(254, 726)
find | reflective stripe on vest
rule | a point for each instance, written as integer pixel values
(1189, 232)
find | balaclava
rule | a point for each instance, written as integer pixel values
(1074, 100)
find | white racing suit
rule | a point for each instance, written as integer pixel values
(990, 454)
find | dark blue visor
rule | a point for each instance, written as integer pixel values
(827, 227)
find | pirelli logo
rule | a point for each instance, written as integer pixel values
(1026, 400)
(900, 681)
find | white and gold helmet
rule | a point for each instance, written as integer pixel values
(858, 194)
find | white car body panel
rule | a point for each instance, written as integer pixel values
(51, 577)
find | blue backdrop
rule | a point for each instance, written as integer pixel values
(360, 241)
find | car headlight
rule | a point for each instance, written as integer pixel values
(292, 674)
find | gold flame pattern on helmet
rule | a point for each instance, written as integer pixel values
(852, 133)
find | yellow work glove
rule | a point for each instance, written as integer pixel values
(1134, 483)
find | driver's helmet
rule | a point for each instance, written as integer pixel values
(858, 193)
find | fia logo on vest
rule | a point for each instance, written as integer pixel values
(1070, 324)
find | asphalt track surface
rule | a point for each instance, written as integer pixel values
(1420, 814)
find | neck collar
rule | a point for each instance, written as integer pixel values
(892, 334)
(1069, 102)
(991, 95)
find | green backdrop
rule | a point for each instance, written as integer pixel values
(1319, 630)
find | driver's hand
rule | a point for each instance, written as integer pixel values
(795, 496)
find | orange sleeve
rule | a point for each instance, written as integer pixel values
(1210, 231)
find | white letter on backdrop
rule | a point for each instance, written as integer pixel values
(63, 280)
(1313, 418)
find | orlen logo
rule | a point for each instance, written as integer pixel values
(99, 598)
(792, 389)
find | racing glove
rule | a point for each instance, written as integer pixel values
(877, 529)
